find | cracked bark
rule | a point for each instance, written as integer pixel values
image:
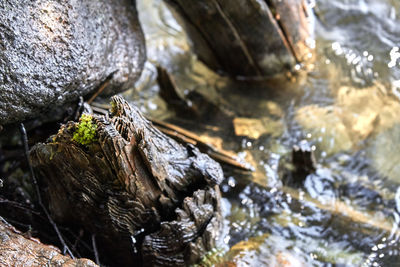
(17, 249)
(133, 184)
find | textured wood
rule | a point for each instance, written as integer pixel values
(124, 185)
(293, 19)
(194, 232)
(19, 250)
(244, 38)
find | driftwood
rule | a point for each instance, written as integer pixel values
(17, 249)
(140, 192)
(247, 38)
(185, 136)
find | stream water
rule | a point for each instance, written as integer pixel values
(346, 109)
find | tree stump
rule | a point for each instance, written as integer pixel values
(144, 195)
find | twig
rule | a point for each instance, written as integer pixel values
(99, 110)
(96, 253)
(39, 198)
(102, 87)
(18, 205)
(186, 136)
(78, 108)
(15, 223)
(77, 239)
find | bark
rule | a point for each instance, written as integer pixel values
(247, 38)
(19, 250)
(132, 183)
(52, 52)
(193, 233)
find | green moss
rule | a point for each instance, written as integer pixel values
(85, 132)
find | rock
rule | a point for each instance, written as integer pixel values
(255, 127)
(128, 181)
(52, 52)
(382, 152)
(19, 250)
(356, 115)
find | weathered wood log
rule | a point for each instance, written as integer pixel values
(52, 52)
(247, 38)
(199, 217)
(123, 180)
(19, 250)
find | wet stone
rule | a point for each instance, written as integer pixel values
(52, 52)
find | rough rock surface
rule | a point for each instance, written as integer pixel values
(19, 250)
(52, 52)
(132, 182)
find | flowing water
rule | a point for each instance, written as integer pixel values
(346, 109)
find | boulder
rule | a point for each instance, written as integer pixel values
(52, 52)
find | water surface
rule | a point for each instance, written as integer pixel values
(346, 109)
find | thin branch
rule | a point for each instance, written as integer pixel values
(186, 136)
(39, 198)
(96, 253)
(102, 87)
(79, 108)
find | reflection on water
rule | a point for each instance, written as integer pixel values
(347, 108)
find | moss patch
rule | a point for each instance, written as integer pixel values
(85, 132)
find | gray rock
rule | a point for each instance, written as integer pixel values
(52, 52)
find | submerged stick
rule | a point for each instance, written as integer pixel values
(186, 136)
(339, 208)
